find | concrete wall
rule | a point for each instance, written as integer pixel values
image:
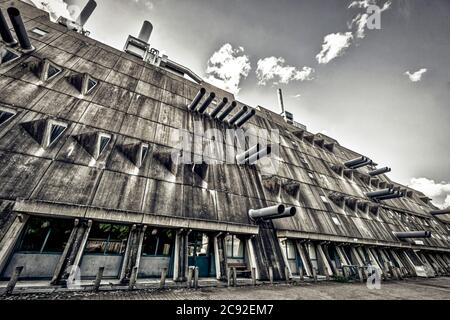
(151, 266)
(35, 265)
(91, 263)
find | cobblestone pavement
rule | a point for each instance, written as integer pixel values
(435, 289)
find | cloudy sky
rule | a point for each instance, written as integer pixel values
(382, 92)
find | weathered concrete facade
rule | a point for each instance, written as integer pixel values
(96, 176)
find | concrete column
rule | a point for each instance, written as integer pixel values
(252, 258)
(304, 258)
(325, 263)
(78, 249)
(217, 256)
(126, 258)
(180, 268)
(342, 256)
(133, 252)
(9, 240)
(286, 261)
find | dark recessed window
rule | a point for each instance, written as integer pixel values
(53, 71)
(7, 56)
(45, 235)
(107, 239)
(144, 152)
(5, 116)
(91, 85)
(56, 131)
(103, 143)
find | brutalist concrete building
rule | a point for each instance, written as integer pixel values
(88, 179)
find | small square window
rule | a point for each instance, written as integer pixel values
(39, 32)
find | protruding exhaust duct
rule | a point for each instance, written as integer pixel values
(367, 163)
(236, 117)
(86, 12)
(219, 108)
(5, 32)
(19, 28)
(197, 99)
(289, 212)
(413, 234)
(440, 212)
(227, 111)
(207, 102)
(379, 171)
(266, 212)
(240, 158)
(246, 118)
(146, 31)
(354, 162)
(385, 194)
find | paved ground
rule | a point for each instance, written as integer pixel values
(434, 289)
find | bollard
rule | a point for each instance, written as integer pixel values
(344, 272)
(98, 279)
(302, 274)
(234, 277)
(253, 276)
(162, 282)
(133, 278)
(13, 281)
(360, 274)
(314, 274)
(196, 278)
(271, 275)
(286, 274)
(190, 276)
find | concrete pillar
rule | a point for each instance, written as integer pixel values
(162, 282)
(286, 262)
(71, 256)
(252, 258)
(325, 263)
(13, 281)
(133, 252)
(217, 256)
(180, 268)
(133, 278)
(304, 257)
(10, 238)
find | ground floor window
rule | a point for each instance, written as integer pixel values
(45, 235)
(107, 239)
(234, 247)
(158, 242)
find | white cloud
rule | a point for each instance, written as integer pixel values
(227, 67)
(334, 45)
(439, 192)
(274, 69)
(56, 8)
(416, 76)
(359, 22)
(297, 96)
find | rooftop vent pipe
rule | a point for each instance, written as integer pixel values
(5, 32)
(236, 117)
(267, 212)
(86, 12)
(289, 212)
(440, 212)
(146, 31)
(356, 161)
(413, 234)
(207, 102)
(245, 118)
(281, 101)
(227, 111)
(19, 28)
(385, 194)
(379, 171)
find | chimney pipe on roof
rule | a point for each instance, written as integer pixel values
(19, 28)
(280, 100)
(86, 12)
(413, 234)
(5, 32)
(146, 31)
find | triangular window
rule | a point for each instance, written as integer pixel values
(7, 56)
(5, 116)
(103, 142)
(53, 71)
(91, 85)
(144, 152)
(56, 131)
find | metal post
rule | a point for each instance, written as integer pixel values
(302, 274)
(228, 277)
(196, 277)
(98, 278)
(13, 281)
(133, 278)
(162, 282)
(190, 276)
(286, 274)
(360, 274)
(314, 274)
(234, 277)
(271, 275)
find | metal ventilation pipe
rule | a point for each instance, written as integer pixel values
(236, 117)
(356, 161)
(219, 108)
(5, 32)
(19, 28)
(227, 111)
(240, 158)
(289, 212)
(396, 194)
(86, 12)
(367, 163)
(379, 171)
(413, 234)
(259, 155)
(379, 193)
(197, 99)
(440, 212)
(246, 118)
(280, 100)
(266, 212)
(146, 31)
(207, 102)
